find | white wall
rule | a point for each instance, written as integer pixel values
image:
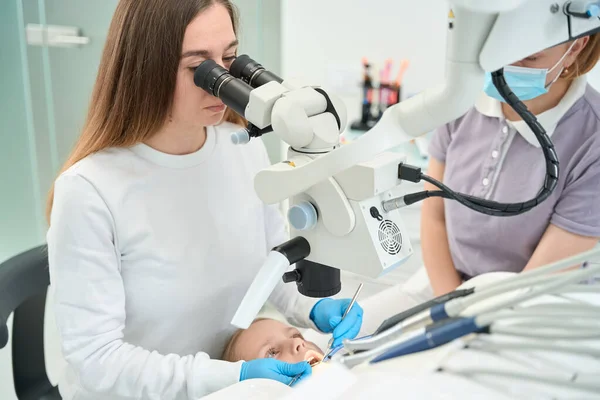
(325, 40)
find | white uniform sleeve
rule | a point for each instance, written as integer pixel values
(90, 309)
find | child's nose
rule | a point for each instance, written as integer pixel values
(299, 345)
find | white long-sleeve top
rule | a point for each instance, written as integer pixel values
(150, 255)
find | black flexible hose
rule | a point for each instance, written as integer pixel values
(492, 207)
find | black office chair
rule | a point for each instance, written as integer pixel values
(24, 281)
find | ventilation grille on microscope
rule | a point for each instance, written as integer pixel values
(390, 237)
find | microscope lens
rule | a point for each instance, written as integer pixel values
(209, 76)
(217, 81)
(252, 72)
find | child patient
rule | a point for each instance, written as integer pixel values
(268, 338)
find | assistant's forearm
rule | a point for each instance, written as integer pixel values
(437, 257)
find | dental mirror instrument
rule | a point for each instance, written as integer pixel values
(330, 344)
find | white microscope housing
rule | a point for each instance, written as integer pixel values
(343, 219)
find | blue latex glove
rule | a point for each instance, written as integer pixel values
(327, 316)
(270, 368)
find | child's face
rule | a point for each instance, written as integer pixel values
(273, 339)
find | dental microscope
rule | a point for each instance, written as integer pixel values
(344, 200)
(336, 223)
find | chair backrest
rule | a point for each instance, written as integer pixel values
(21, 277)
(24, 281)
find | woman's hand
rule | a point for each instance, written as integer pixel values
(270, 368)
(327, 316)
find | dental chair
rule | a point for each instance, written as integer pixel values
(24, 281)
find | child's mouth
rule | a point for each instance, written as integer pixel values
(313, 357)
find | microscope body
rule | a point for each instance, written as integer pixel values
(343, 220)
(341, 217)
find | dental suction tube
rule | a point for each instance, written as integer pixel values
(217, 81)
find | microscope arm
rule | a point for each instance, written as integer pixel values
(400, 123)
(482, 36)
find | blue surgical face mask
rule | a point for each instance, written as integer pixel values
(525, 83)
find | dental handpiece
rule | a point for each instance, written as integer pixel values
(392, 321)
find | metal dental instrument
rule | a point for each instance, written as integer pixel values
(312, 365)
(330, 344)
(294, 379)
(330, 349)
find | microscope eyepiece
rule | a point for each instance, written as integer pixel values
(217, 81)
(243, 66)
(252, 72)
(210, 76)
(233, 88)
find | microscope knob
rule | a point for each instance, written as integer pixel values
(240, 137)
(291, 276)
(303, 216)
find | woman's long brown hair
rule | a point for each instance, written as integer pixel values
(136, 78)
